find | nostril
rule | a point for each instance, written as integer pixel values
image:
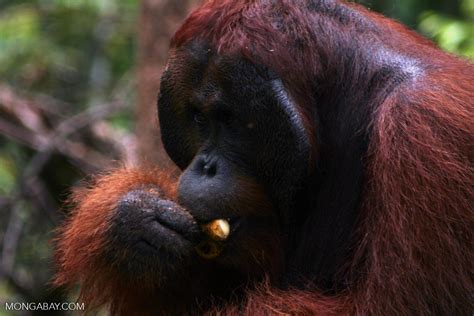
(209, 169)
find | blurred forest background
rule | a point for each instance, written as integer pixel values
(78, 87)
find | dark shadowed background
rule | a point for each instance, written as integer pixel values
(78, 87)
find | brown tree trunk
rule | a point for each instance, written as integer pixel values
(158, 20)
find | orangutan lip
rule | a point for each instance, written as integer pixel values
(177, 231)
(153, 241)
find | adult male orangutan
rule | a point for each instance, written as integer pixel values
(327, 169)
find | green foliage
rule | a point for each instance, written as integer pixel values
(7, 175)
(449, 23)
(74, 50)
(77, 53)
(11, 157)
(454, 34)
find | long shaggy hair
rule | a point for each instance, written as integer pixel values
(413, 246)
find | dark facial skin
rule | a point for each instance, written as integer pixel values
(224, 119)
(234, 131)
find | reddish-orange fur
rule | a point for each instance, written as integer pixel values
(414, 249)
(415, 252)
(82, 239)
